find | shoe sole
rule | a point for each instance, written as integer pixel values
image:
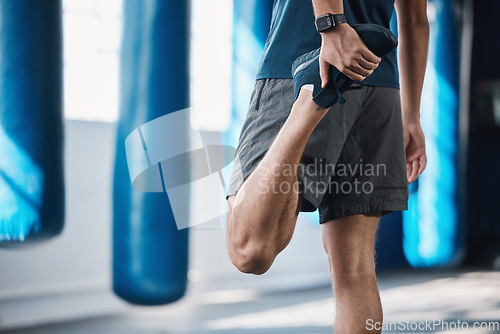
(378, 39)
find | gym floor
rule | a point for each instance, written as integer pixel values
(466, 298)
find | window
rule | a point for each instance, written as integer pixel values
(92, 38)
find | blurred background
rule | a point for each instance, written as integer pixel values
(82, 251)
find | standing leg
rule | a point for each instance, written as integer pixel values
(349, 243)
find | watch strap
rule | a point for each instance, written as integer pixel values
(328, 21)
(338, 19)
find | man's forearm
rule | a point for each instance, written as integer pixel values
(413, 30)
(328, 6)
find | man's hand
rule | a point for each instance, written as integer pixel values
(416, 159)
(343, 48)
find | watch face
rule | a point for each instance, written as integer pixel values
(324, 23)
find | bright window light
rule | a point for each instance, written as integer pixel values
(92, 38)
(211, 59)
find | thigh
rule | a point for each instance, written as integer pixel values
(370, 174)
(270, 105)
(325, 146)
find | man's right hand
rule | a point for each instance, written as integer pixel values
(343, 48)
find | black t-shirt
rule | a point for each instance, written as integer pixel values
(293, 33)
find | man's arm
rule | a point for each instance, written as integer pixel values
(342, 47)
(413, 30)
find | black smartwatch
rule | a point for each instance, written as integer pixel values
(328, 21)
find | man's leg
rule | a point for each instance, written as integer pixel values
(349, 243)
(261, 217)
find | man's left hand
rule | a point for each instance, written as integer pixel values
(416, 159)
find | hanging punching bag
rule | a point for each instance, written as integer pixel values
(251, 23)
(31, 121)
(433, 229)
(150, 255)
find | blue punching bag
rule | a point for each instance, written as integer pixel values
(251, 23)
(31, 121)
(433, 228)
(150, 255)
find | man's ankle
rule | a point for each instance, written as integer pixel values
(305, 101)
(305, 110)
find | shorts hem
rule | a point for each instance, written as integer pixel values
(349, 210)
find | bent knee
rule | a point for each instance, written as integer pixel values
(251, 260)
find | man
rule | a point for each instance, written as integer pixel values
(271, 180)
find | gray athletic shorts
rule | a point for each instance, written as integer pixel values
(354, 162)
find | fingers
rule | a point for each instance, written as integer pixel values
(423, 164)
(323, 71)
(358, 75)
(370, 56)
(408, 171)
(413, 174)
(415, 168)
(366, 64)
(353, 75)
(358, 69)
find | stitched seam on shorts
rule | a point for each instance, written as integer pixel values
(393, 205)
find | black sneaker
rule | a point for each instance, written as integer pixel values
(305, 69)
